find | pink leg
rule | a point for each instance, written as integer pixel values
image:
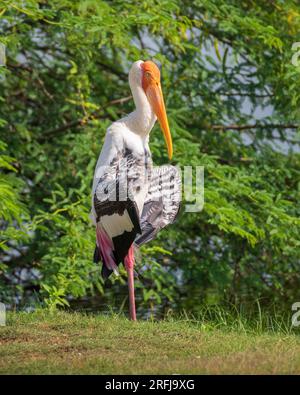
(129, 264)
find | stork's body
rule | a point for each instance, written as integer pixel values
(131, 200)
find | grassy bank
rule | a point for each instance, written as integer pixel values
(67, 343)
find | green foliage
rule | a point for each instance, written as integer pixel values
(13, 213)
(233, 99)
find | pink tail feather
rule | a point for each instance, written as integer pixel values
(106, 247)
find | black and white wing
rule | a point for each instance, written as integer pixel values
(119, 191)
(162, 202)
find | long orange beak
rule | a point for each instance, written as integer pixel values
(156, 99)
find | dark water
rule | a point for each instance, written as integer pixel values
(116, 303)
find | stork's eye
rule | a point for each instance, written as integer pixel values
(148, 74)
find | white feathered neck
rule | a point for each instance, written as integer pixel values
(142, 119)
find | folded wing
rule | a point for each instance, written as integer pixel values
(162, 202)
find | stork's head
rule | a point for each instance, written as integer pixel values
(147, 74)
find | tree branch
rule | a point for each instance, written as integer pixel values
(84, 120)
(255, 126)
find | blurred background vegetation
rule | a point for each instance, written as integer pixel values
(233, 100)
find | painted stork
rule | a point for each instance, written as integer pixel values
(131, 199)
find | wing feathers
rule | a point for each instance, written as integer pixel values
(118, 196)
(162, 202)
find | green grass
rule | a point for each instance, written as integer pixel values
(217, 343)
